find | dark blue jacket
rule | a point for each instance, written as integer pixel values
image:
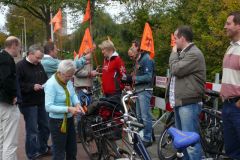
(144, 71)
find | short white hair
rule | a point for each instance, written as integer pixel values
(66, 66)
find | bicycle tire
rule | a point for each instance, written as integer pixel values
(89, 143)
(127, 150)
(211, 132)
(110, 150)
(166, 150)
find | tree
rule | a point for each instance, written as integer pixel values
(3, 37)
(35, 28)
(41, 9)
(102, 27)
(207, 20)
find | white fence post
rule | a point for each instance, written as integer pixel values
(168, 73)
(215, 103)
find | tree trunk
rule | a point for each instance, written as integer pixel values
(48, 30)
(47, 24)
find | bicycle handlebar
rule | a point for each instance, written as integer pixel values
(129, 94)
(128, 119)
(134, 92)
(135, 124)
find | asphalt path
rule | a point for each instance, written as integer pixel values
(81, 155)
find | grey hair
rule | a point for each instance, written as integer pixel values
(33, 48)
(66, 66)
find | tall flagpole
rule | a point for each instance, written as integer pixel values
(90, 21)
(52, 37)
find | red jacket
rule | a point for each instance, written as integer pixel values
(112, 71)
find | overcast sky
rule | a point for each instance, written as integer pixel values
(114, 9)
(2, 18)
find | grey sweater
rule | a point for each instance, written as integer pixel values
(82, 76)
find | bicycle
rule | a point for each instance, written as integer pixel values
(211, 132)
(99, 130)
(98, 133)
(156, 120)
(133, 147)
(86, 98)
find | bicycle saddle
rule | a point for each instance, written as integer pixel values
(181, 139)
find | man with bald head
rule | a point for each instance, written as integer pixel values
(9, 112)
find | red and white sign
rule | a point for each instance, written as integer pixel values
(213, 86)
(161, 81)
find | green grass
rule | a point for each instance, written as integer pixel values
(156, 112)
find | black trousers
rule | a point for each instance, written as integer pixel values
(64, 144)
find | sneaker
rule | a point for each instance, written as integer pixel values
(147, 144)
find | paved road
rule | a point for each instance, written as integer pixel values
(81, 155)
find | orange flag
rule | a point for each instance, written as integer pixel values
(87, 42)
(74, 54)
(173, 41)
(57, 26)
(87, 13)
(147, 42)
(57, 21)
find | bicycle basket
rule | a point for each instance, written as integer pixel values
(109, 124)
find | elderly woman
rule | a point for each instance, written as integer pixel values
(62, 103)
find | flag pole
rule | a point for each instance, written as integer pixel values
(90, 21)
(52, 37)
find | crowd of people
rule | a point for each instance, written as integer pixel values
(46, 91)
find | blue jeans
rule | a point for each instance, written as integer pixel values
(144, 116)
(37, 131)
(231, 129)
(187, 119)
(63, 143)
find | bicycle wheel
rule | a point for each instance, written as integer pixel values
(110, 150)
(166, 150)
(90, 144)
(127, 150)
(211, 132)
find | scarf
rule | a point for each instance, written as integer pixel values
(64, 86)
